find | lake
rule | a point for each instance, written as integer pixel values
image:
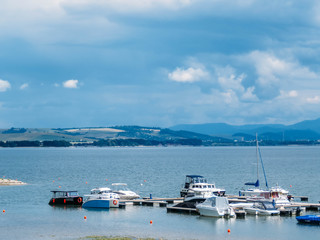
(159, 171)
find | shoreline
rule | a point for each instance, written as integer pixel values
(10, 182)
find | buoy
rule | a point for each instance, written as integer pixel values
(64, 200)
(85, 217)
(145, 180)
(59, 186)
(3, 210)
(106, 179)
(290, 185)
(86, 182)
(53, 181)
(150, 221)
(229, 230)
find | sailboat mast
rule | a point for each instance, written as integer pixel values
(262, 165)
(257, 154)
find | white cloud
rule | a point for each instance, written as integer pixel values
(277, 74)
(313, 100)
(72, 83)
(24, 86)
(188, 75)
(230, 97)
(272, 69)
(4, 85)
(288, 94)
(293, 93)
(248, 95)
(228, 79)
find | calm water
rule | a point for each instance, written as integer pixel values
(156, 171)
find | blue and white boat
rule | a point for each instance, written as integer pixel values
(101, 198)
(309, 219)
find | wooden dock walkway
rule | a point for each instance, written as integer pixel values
(290, 210)
(161, 202)
(182, 210)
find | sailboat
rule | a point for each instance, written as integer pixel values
(276, 195)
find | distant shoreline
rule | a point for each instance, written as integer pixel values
(10, 182)
(150, 143)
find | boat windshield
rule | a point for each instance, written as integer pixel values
(100, 190)
(199, 180)
(72, 194)
(268, 206)
(120, 188)
(213, 202)
(57, 194)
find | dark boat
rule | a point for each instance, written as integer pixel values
(309, 219)
(66, 198)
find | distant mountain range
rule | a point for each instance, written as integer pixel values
(211, 134)
(104, 136)
(305, 130)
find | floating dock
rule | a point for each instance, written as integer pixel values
(290, 210)
(161, 202)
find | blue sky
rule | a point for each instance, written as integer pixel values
(82, 63)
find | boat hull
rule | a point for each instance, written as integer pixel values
(101, 203)
(255, 211)
(75, 201)
(127, 196)
(185, 192)
(309, 219)
(214, 212)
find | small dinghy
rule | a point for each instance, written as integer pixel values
(309, 219)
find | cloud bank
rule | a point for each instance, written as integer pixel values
(160, 62)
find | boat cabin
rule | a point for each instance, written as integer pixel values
(264, 205)
(197, 183)
(194, 179)
(65, 198)
(100, 190)
(64, 194)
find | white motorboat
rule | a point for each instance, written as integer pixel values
(101, 198)
(124, 193)
(215, 207)
(262, 208)
(197, 183)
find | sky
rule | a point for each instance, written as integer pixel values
(158, 63)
